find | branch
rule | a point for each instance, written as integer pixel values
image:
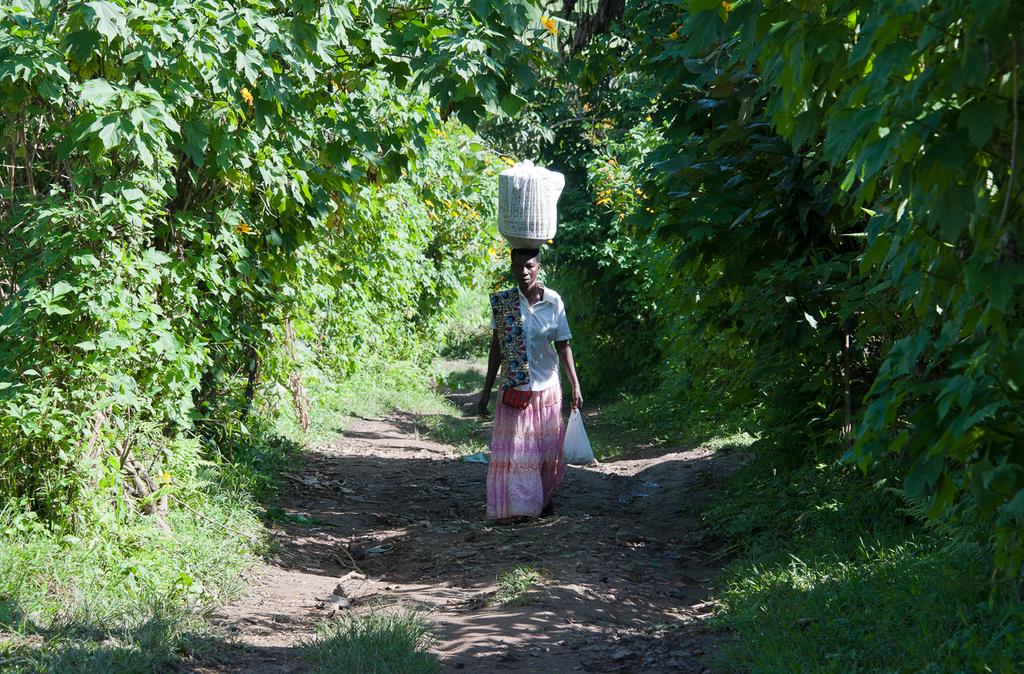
(1013, 138)
(14, 154)
(30, 155)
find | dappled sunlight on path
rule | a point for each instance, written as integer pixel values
(387, 518)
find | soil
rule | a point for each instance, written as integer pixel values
(395, 519)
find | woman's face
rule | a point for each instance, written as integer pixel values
(525, 270)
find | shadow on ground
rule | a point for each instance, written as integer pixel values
(626, 567)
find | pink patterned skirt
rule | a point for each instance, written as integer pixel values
(526, 456)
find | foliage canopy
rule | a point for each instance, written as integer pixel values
(810, 212)
(195, 185)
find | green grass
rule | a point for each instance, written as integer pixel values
(143, 648)
(462, 433)
(125, 597)
(120, 594)
(654, 419)
(379, 388)
(374, 389)
(835, 573)
(373, 643)
(471, 343)
(468, 333)
(464, 379)
(887, 608)
(515, 584)
(831, 571)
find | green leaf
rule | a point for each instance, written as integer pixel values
(97, 92)
(1014, 509)
(110, 134)
(848, 128)
(741, 217)
(512, 104)
(60, 289)
(112, 341)
(950, 150)
(142, 148)
(925, 474)
(1000, 279)
(106, 18)
(82, 44)
(1003, 478)
(962, 424)
(981, 118)
(943, 498)
(167, 344)
(196, 139)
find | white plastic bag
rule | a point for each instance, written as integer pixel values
(576, 448)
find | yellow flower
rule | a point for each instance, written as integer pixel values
(549, 23)
(603, 200)
(165, 478)
(246, 96)
(509, 161)
(727, 6)
(674, 35)
(428, 202)
(242, 228)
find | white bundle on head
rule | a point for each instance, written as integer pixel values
(527, 204)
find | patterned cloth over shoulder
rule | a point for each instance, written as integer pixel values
(508, 320)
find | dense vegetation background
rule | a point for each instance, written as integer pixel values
(804, 218)
(805, 221)
(198, 200)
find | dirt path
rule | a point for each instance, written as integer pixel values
(626, 563)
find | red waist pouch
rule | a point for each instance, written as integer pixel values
(516, 398)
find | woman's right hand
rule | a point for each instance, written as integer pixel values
(577, 398)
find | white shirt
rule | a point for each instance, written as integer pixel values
(543, 323)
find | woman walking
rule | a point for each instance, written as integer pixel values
(526, 447)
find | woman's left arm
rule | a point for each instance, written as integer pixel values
(569, 366)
